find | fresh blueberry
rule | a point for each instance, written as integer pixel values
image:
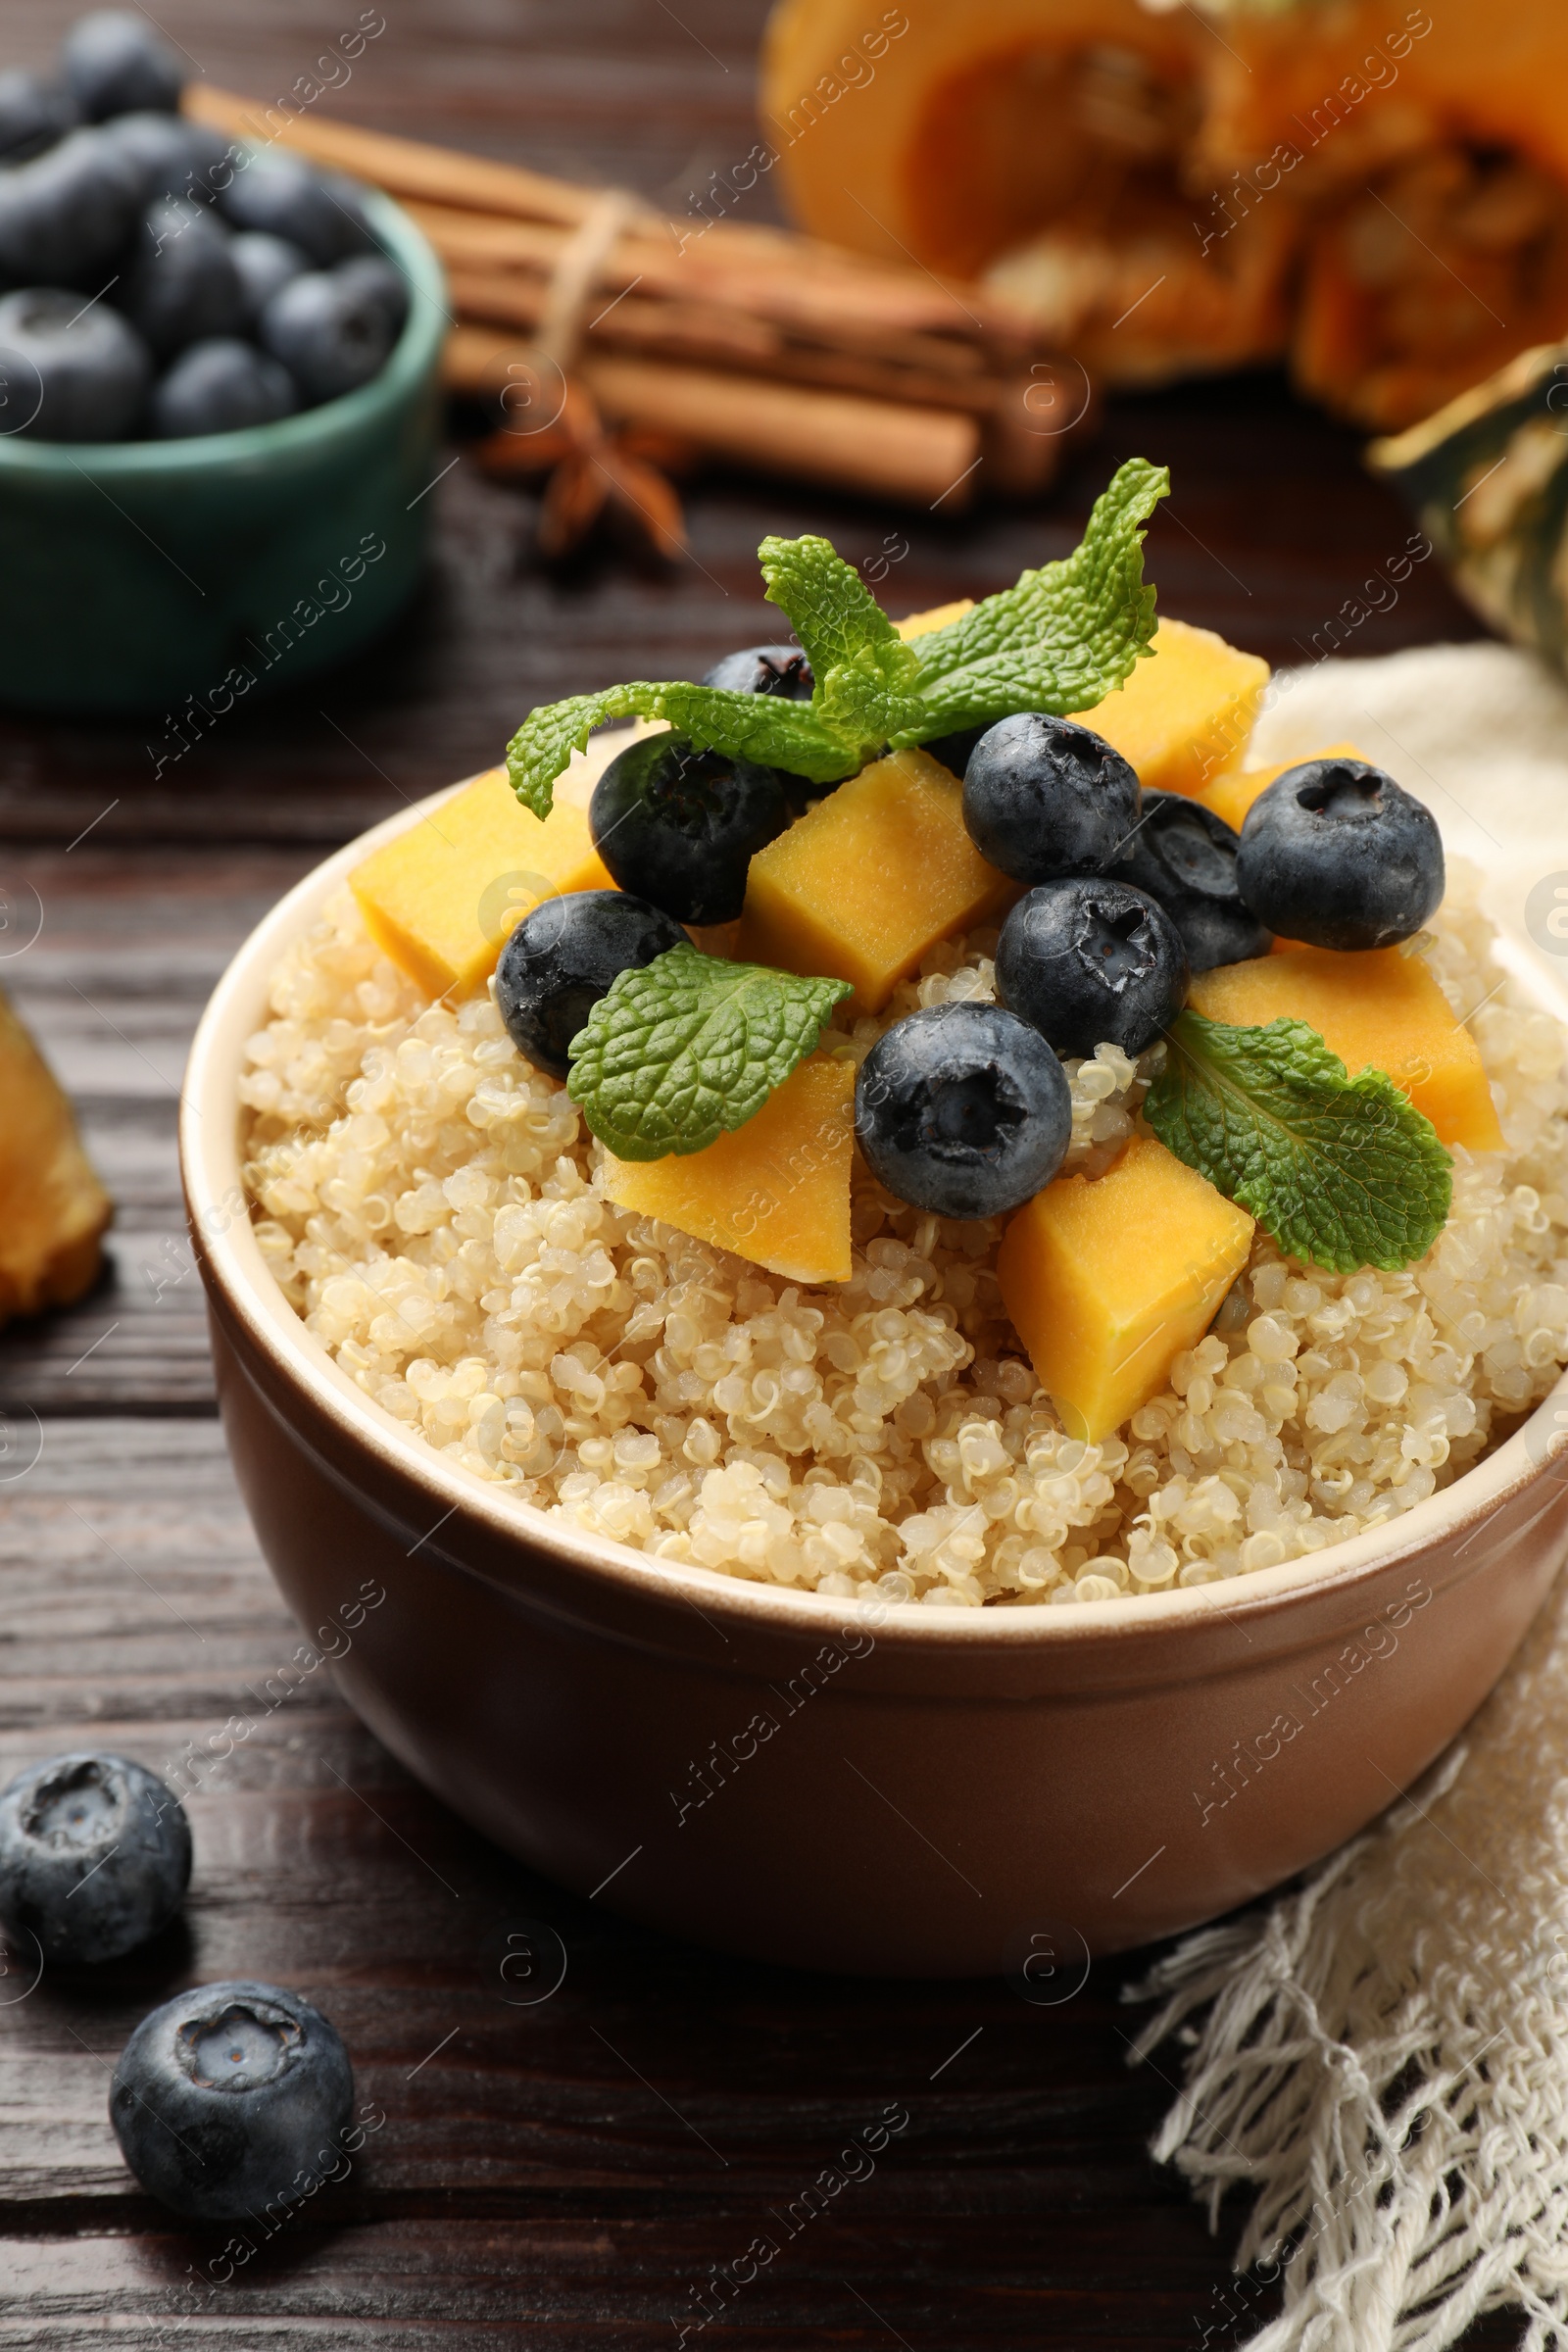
(681, 827)
(330, 334)
(64, 217)
(220, 386)
(114, 64)
(95, 1856)
(1337, 855)
(1185, 856)
(233, 2099)
(181, 285)
(954, 749)
(1044, 797)
(381, 281)
(962, 1110)
(174, 157)
(562, 957)
(764, 669)
(34, 115)
(1089, 961)
(319, 214)
(69, 371)
(264, 262)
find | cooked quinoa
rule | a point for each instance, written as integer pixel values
(430, 1205)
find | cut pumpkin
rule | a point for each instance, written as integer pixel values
(1109, 1280)
(861, 885)
(777, 1190)
(52, 1209)
(1186, 712)
(1380, 1009)
(442, 898)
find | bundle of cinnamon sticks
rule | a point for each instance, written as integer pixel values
(748, 344)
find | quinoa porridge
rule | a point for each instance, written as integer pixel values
(432, 1206)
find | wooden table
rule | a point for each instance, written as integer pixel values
(567, 2174)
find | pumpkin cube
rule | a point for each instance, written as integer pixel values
(1232, 794)
(860, 887)
(442, 898)
(1377, 1007)
(1185, 714)
(52, 1209)
(1109, 1279)
(775, 1190)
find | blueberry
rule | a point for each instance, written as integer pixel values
(764, 669)
(64, 217)
(954, 749)
(174, 158)
(380, 281)
(962, 1110)
(95, 1856)
(220, 386)
(231, 2099)
(264, 262)
(1044, 797)
(322, 216)
(1335, 853)
(562, 957)
(1185, 856)
(181, 283)
(681, 827)
(114, 64)
(70, 370)
(1089, 962)
(330, 334)
(34, 115)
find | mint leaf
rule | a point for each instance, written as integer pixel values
(1344, 1172)
(1062, 638)
(689, 1046)
(746, 726)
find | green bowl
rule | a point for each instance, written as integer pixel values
(182, 576)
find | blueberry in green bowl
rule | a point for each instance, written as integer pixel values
(182, 576)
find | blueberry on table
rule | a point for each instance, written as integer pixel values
(69, 371)
(1185, 856)
(174, 157)
(279, 193)
(330, 334)
(1044, 797)
(95, 1856)
(1089, 961)
(64, 217)
(220, 386)
(231, 2098)
(114, 64)
(34, 115)
(1335, 853)
(680, 827)
(764, 669)
(264, 262)
(181, 283)
(564, 954)
(962, 1110)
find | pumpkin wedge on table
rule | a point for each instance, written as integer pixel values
(52, 1209)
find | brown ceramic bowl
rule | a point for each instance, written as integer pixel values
(910, 1792)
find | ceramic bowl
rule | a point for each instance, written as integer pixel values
(915, 1791)
(175, 578)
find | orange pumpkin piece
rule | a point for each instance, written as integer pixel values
(861, 885)
(1186, 712)
(1109, 1280)
(776, 1191)
(1379, 1008)
(52, 1209)
(442, 898)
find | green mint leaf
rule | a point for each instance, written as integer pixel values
(866, 675)
(763, 727)
(1061, 639)
(689, 1046)
(1343, 1171)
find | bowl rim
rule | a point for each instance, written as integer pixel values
(412, 357)
(210, 1161)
